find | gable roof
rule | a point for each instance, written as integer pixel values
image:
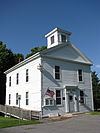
(65, 51)
(68, 52)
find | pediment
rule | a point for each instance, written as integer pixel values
(68, 52)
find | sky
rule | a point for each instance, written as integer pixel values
(24, 23)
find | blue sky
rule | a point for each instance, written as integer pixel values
(23, 24)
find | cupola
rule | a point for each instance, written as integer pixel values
(57, 36)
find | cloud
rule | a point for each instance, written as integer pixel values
(97, 66)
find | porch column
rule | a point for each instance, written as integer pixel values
(75, 101)
(67, 100)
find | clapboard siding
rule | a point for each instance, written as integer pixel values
(33, 86)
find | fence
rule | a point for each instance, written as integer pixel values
(19, 112)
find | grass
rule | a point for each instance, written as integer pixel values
(11, 122)
(95, 113)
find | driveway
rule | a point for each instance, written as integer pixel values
(77, 124)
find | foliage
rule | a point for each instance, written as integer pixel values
(95, 113)
(18, 58)
(10, 122)
(35, 50)
(7, 60)
(96, 90)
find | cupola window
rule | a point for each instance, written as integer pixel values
(52, 39)
(63, 38)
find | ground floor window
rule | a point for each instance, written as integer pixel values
(81, 96)
(9, 98)
(27, 98)
(16, 98)
(49, 102)
(58, 97)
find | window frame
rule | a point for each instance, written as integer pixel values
(57, 97)
(17, 78)
(9, 99)
(57, 73)
(16, 98)
(27, 75)
(80, 76)
(52, 39)
(49, 99)
(82, 98)
(27, 98)
(10, 81)
(62, 38)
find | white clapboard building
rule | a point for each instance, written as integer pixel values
(55, 81)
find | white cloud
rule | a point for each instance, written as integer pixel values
(97, 66)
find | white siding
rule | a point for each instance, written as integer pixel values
(33, 86)
(68, 77)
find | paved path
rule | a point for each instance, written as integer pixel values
(77, 124)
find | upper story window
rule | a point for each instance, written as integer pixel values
(57, 72)
(52, 39)
(17, 78)
(80, 77)
(27, 75)
(63, 38)
(10, 81)
(58, 97)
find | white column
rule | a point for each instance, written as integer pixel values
(66, 100)
(75, 101)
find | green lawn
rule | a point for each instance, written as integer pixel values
(10, 122)
(95, 113)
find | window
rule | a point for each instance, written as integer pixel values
(57, 72)
(52, 39)
(10, 81)
(17, 78)
(49, 102)
(16, 98)
(80, 75)
(81, 96)
(58, 97)
(27, 75)
(27, 98)
(9, 99)
(63, 38)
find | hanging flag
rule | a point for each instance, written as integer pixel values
(49, 93)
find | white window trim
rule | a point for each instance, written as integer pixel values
(17, 78)
(27, 75)
(10, 81)
(60, 73)
(27, 98)
(49, 101)
(61, 97)
(82, 76)
(9, 99)
(83, 97)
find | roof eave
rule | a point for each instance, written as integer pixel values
(23, 62)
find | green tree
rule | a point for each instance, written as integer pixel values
(7, 60)
(18, 58)
(96, 90)
(35, 50)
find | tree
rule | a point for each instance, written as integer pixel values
(35, 50)
(7, 60)
(18, 58)
(96, 90)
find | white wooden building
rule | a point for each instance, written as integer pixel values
(55, 81)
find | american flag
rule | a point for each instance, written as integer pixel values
(49, 93)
